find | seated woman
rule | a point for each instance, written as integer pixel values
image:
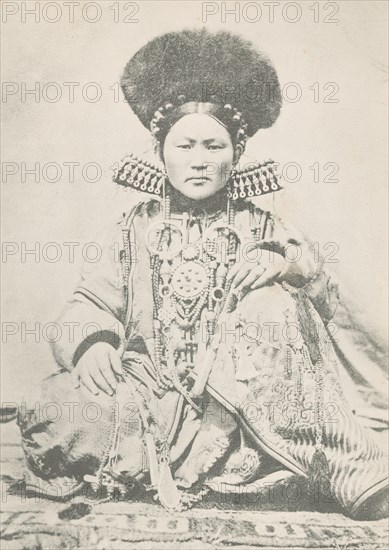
(209, 364)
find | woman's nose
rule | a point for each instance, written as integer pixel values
(199, 158)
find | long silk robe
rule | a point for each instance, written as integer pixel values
(260, 400)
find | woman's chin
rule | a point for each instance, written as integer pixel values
(198, 193)
(198, 196)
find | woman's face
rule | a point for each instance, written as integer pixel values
(198, 156)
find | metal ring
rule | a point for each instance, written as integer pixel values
(218, 294)
(165, 291)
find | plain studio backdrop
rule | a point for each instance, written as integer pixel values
(326, 61)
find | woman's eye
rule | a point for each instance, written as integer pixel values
(214, 147)
(183, 146)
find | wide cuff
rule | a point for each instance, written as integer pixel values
(106, 336)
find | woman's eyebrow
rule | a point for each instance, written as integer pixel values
(210, 140)
(206, 141)
(184, 138)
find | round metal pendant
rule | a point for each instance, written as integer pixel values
(189, 279)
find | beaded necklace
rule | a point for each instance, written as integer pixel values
(189, 290)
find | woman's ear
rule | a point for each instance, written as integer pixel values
(237, 154)
(158, 150)
(156, 147)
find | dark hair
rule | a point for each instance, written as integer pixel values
(225, 117)
(199, 65)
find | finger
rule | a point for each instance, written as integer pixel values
(75, 377)
(99, 379)
(252, 277)
(233, 271)
(88, 382)
(267, 278)
(107, 372)
(116, 362)
(104, 367)
(236, 268)
(241, 275)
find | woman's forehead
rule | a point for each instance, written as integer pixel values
(198, 126)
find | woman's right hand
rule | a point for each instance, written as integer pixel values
(98, 369)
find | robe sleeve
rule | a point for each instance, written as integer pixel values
(97, 309)
(305, 268)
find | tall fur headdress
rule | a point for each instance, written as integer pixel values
(197, 65)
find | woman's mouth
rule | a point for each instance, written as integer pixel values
(198, 180)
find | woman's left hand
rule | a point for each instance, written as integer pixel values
(246, 275)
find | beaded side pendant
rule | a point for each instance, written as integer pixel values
(254, 180)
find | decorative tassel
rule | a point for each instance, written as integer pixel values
(319, 476)
(141, 175)
(152, 456)
(288, 363)
(169, 495)
(308, 327)
(263, 176)
(319, 484)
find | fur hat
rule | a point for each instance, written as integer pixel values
(201, 66)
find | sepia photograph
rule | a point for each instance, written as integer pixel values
(194, 274)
